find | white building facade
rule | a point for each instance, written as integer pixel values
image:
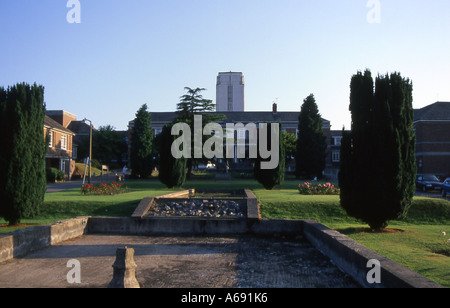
(230, 92)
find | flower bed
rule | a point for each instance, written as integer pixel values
(319, 189)
(113, 188)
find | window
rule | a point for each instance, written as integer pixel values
(63, 142)
(230, 98)
(337, 140)
(241, 134)
(50, 139)
(62, 165)
(336, 156)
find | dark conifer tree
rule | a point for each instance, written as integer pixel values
(377, 176)
(172, 171)
(311, 142)
(22, 155)
(270, 178)
(141, 158)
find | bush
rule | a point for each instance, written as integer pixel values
(54, 174)
(319, 189)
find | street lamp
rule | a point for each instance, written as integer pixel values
(90, 147)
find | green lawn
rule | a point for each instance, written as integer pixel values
(417, 242)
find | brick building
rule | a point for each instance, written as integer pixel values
(432, 127)
(66, 133)
(61, 151)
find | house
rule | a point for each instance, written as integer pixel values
(432, 128)
(61, 152)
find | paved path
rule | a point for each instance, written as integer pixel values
(186, 262)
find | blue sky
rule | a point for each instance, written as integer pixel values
(127, 53)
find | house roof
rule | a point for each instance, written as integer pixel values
(50, 123)
(80, 127)
(439, 111)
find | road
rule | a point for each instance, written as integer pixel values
(56, 187)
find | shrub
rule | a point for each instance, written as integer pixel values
(319, 189)
(53, 175)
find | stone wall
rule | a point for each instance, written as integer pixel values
(22, 242)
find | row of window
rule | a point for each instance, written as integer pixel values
(64, 141)
(241, 134)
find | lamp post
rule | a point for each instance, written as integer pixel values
(90, 148)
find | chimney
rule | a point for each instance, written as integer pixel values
(274, 108)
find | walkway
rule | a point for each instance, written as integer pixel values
(180, 262)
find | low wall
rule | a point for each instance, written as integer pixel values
(191, 226)
(22, 242)
(146, 204)
(353, 259)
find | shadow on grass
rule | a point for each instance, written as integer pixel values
(361, 230)
(69, 209)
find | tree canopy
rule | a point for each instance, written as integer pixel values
(192, 103)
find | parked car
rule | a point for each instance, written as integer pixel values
(446, 188)
(210, 166)
(426, 182)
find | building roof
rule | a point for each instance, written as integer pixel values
(439, 111)
(238, 117)
(221, 73)
(52, 124)
(52, 113)
(80, 127)
(338, 133)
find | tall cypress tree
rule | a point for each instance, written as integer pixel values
(141, 144)
(378, 155)
(172, 171)
(22, 157)
(311, 142)
(270, 178)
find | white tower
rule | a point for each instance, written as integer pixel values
(230, 92)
